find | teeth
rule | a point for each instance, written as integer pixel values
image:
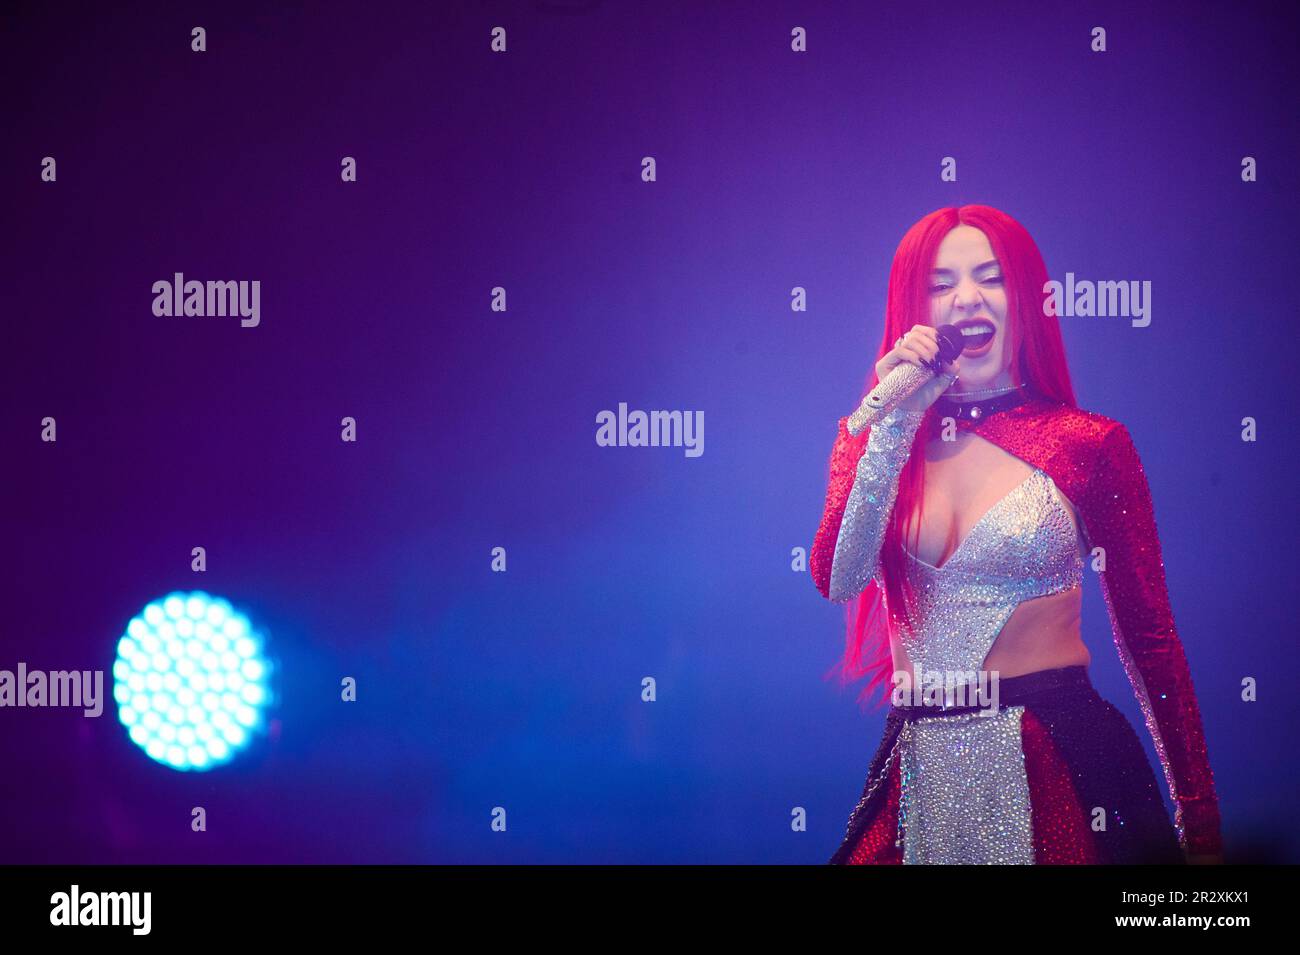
(973, 330)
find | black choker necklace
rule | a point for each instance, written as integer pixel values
(975, 409)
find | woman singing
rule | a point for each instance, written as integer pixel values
(958, 526)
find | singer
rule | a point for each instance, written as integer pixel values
(957, 527)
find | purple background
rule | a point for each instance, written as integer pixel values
(476, 428)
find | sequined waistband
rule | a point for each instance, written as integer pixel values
(1012, 691)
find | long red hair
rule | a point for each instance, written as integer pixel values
(1038, 358)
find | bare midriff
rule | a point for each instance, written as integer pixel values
(963, 479)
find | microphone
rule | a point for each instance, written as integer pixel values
(904, 381)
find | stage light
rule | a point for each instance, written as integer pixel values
(191, 681)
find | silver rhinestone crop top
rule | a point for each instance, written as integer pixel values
(1025, 546)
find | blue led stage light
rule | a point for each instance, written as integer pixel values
(191, 681)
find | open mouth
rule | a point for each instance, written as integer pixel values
(976, 335)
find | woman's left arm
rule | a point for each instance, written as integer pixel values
(1118, 516)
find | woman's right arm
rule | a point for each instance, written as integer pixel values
(870, 503)
(845, 453)
(864, 472)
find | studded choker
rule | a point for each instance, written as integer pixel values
(977, 408)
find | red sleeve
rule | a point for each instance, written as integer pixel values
(1119, 517)
(843, 468)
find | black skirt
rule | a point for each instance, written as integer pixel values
(1093, 797)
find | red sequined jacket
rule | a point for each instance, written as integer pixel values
(1094, 463)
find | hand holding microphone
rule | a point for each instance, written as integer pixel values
(912, 375)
